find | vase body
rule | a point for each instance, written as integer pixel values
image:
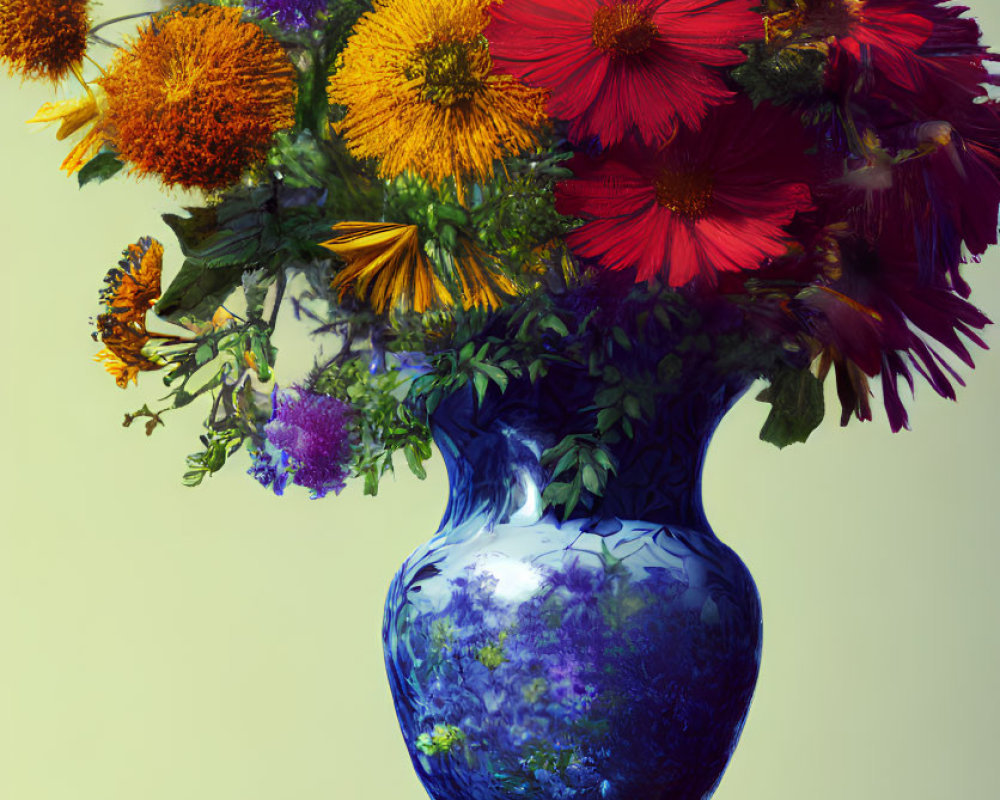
(610, 655)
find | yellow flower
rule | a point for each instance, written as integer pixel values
(198, 97)
(482, 287)
(386, 267)
(72, 116)
(43, 38)
(417, 80)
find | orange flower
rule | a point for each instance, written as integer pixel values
(198, 96)
(134, 285)
(132, 288)
(43, 38)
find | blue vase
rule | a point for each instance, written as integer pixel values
(609, 655)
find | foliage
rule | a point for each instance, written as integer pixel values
(515, 241)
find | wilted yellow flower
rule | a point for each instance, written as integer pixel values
(386, 267)
(132, 288)
(417, 80)
(134, 285)
(124, 359)
(43, 38)
(72, 116)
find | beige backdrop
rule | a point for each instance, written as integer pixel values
(224, 644)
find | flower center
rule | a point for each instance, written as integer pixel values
(833, 17)
(685, 193)
(624, 29)
(453, 71)
(815, 18)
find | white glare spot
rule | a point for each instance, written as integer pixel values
(516, 580)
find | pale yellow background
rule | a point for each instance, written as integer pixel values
(165, 643)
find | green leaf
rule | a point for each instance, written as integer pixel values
(203, 354)
(631, 404)
(796, 398)
(621, 337)
(101, 167)
(495, 374)
(608, 396)
(453, 214)
(192, 229)
(669, 368)
(663, 317)
(537, 369)
(480, 382)
(553, 323)
(263, 353)
(568, 460)
(466, 352)
(555, 493)
(602, 458)
(449, 237)
(607, 417)
(197, 291)
(413, 461)
(590, 480)
(573, 498)
(371, 482)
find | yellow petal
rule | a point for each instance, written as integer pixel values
(385, 265)
(72, 114)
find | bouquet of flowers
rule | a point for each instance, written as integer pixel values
(462, 195)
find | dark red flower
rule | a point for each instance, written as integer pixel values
(864, 38)
(953, 57)
(612, 66)
(712, 201)
(930, 180)
(883, 35)
(875, 311)
(951, 196)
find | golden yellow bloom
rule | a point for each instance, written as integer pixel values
(72, 116)
(386, 267)
(482, 287)
(198, 96)
(416, 78)
(43, 38)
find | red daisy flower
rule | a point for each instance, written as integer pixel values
(712, 201)
(614, 65)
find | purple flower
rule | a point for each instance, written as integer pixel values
(289, 14)
(309, 439)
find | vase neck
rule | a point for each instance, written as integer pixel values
(492, 451)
